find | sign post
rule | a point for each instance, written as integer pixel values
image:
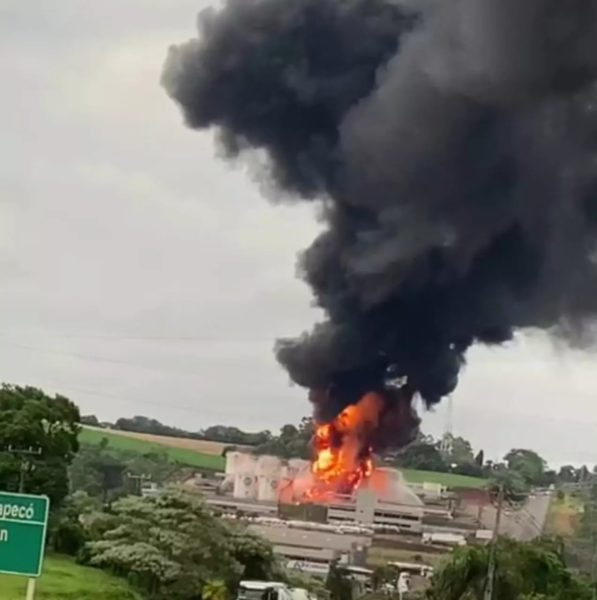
(23, 525)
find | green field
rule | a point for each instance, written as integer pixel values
(217, 463)
(180, 455)
(448, 479)
(63, 579)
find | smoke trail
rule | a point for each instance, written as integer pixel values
(454, 150)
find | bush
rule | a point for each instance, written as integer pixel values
(68, 537)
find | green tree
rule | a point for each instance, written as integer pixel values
(338, 584)
(173, 547)
(528, 464)
(422, 455)
(516, 488)
(31, 419)
(461, 451)
(215, 590)
(523, 571)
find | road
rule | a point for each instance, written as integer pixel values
(524, 524)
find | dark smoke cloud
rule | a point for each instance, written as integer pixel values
(454, 151)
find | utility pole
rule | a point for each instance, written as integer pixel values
(25, 455)
(138, 479)
(488, 594)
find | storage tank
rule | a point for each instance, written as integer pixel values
(267, 488)
(233, 461)
(245, 486)
(296, 466)
(268, 466)
(268, 470)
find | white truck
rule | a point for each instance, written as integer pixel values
(270, 590)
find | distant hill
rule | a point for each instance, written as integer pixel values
(208, 455)
(195, 453)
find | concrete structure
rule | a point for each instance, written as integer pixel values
(313, 551)
(385, 500)
(254, 478)
(269, 472)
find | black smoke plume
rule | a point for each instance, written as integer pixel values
(453, 146)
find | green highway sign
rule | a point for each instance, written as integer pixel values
(23, 524)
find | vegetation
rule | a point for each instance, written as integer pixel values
(172, 547)
(107, 473)
(176, 455)
(30, 420)
(524, 571)
(63, 579)
(215, 433)
(450, 480)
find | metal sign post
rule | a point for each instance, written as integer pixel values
(23, 526)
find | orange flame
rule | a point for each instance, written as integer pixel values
(343, 454)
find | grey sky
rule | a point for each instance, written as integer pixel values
(141, 275)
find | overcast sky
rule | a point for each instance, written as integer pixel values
(139, 274)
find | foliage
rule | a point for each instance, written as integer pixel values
(528, 464)
(215, 433)
(172, 547)
(523, 571)
(102, 470)
(516, 488)
(292, 442)
(62, 579)
(90, 420)
(338, 584)
(67, 531)
(31, 419)
(422, 455)
(182, 456)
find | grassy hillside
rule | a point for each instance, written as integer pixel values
(448, 479)
(182, 455)
(207, 461)
(63, 579)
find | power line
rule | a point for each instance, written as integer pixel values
(101, 359)
(68, 389)
(143, 338)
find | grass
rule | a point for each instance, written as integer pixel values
(63, 579)
(196, 459)
(183, 456)
(448, 479)
(563, 516)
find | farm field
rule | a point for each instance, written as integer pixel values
(196, 453)
(450, 480)
(137, 442)
(63, 579)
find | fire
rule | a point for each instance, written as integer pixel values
(343, 453)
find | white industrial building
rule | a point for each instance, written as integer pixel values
(385, 499)
(259, 477)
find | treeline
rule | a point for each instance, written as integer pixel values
(452, 454)
(215, 433)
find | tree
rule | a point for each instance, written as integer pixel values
(422, 455)
(101, 470)
(516, 488)
(567, 474)
(173, 547)
(523, 571)
(461, 451)
(338, 584)
(528, 464)
(31, 419)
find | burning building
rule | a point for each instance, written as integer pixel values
(450, 147)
